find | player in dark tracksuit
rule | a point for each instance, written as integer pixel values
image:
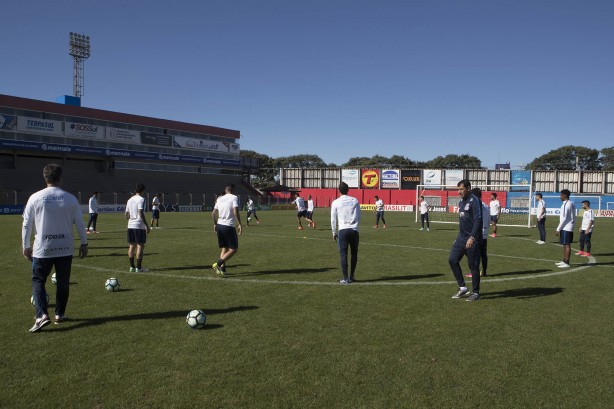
(468, 241)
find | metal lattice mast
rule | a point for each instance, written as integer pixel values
(79, 49)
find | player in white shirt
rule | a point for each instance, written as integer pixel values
(51, 213)
(301, 211)
(155, 211)
(424, 213)
(345, 213)
(137, 228)
(379, 210)
(226, 223)
(495, 211)
(310, 208)
(251, 211)
(586, 229)
(93, 211)
(541, 218)
(567, 220)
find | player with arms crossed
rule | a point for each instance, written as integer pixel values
(346, 210)
(586, 229)
(541, 218)
(564, 230)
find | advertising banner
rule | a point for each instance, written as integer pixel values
(389, 208)
(233, 147)
(453, 176)
(369, 178)
(37, 125)
(122, 135)
(390, 179)
(8, 122)
(521, 177)
(432, 177)
(77, 130)
(11, 209)
(410, 179)
(200, 144)
(350, 176)
(148, 138)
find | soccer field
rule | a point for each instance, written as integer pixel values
(283, 333)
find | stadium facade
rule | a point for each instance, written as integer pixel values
(110, 152)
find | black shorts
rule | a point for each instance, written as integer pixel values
(138, 236)
(227, 236)
(565, 237)
(301, 213)
(155, 214)
(494, 218)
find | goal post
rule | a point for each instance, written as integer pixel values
(443, 202)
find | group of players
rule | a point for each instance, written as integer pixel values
(52, 212)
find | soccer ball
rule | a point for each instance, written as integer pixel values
(196, 319)
(92, 228)
(249, 219)
(112, 284)
(54, 280)
(32, 300)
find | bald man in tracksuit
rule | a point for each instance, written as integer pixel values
(468, 241)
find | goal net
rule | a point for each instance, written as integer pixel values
(443, 200)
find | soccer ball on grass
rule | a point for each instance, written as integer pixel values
(112, 284)
(196, 319)
(54, 279)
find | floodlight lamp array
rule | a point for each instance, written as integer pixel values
(79, 45)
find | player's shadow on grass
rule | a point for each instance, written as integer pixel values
(284, 271)
(405, 277)
(523, 293)
(109, 247)
(115, 254)
(515, 273)
(205, 267)
(603, 254)
(153, 316)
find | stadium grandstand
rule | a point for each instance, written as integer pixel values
(109, 152)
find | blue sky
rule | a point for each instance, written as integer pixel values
(506, 81)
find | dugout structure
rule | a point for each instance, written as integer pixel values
(443, 203)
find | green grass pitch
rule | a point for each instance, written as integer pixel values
(282, 333)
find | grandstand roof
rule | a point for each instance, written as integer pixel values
(57, 108)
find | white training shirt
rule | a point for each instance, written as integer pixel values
(300, 203)
(310, 205)
(225, 205)
(250, 204)
(587, 217)
(51, 213)
(567, 217)
(424, 207)
(495, 207)
(541, 209)
(379, 205)
(346, 210)
(155, 203)
(93, 205)
(135, 205)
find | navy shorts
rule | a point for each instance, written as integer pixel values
(301, 213)
(138, 236)
(227, 236)
(155, 214)
(494, 219)
(565, 237)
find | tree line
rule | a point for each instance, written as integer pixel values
(564, 158)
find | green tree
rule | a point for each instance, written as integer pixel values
(301, 161)
(607, 158)
(265, 173)
(567, 158)
(452, 161)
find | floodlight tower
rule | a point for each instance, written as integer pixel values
(79, 48)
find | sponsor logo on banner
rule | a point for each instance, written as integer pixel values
(77, 130)
(37, 125)
(200, 144)
(11, 209)
(432, 177)
(604, 213)
(410, 179)
(390, 208)
(112, 208)
(350, 176)
(453, 176)
(122, 135)
(8, 122)
(370, 178)
(233, 147)
(390, 179)
(155, 139)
